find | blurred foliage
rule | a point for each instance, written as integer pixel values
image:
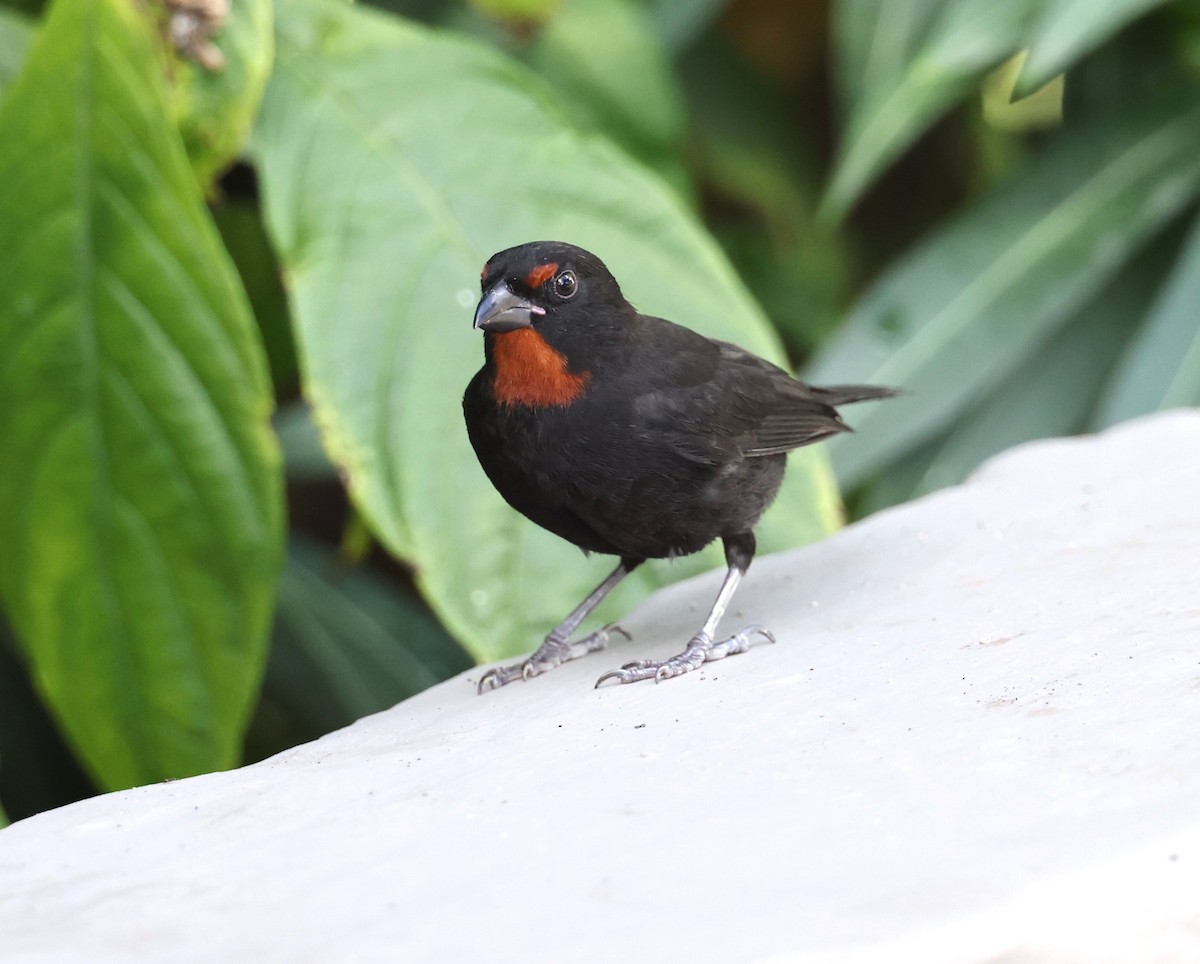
(215, 108)
(991, 205)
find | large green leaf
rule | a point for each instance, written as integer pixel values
(216, 107)
(966, 307)
(1162, 367)
(905, 63)
(394, 161)
(603, 58)
(1067, 29)
(16, 32)
(140, 504)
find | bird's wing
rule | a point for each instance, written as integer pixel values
(770, 411)
(715, 402)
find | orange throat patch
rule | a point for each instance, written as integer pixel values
(531, 373)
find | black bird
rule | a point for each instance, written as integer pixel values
(629, 435)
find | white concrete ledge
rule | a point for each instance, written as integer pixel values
(977, 739)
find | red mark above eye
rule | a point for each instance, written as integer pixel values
(540, 274)
(483, 272)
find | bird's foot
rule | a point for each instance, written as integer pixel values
(553, 652)
(700, 650)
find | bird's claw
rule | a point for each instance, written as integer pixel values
(553, 652)
(499, 676)
(739, 642)
(700, 650)
(622, 675)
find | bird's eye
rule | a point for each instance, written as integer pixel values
(565, 285)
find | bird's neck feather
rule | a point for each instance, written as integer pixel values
(529, 373)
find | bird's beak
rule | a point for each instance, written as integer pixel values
(501, 309)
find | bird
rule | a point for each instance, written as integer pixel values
(629, 435)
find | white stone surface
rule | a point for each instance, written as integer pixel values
(977, 739)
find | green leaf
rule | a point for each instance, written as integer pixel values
(965, 308)
(16, 33)
(395, 160)
(874, 41)
(602, 57)
(1067, 29)
(140, 506)
(916, 59)
(1162, 367)
(1039, 108)
(1054, 391)
(1050, 395)
(346, 644)
(216, 108)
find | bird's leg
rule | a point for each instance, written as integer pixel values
(739, 550)
(557, 647)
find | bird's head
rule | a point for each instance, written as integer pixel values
(549, 309)
(550, 286)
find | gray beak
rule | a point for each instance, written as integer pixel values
(502, 310)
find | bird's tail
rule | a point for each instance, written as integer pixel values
(845, 394)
